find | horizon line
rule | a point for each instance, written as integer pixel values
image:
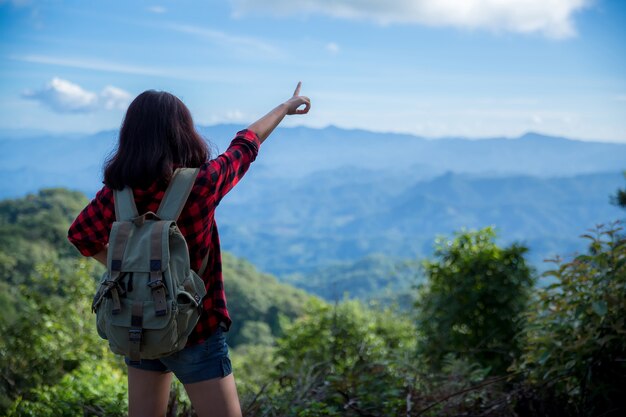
(26, 133)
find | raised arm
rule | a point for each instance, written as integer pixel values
(266, 124)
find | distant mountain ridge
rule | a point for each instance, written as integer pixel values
(28, 163)
(320, 196)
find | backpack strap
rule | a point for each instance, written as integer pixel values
(205, 263)
(124, 201)
(135, 332)
(177, 193)
(156, 283)
(176, 197)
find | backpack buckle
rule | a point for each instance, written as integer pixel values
(134, 335)
(159, 290)
(156, 284)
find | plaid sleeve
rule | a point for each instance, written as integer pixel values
(90, 230)
(225, 171)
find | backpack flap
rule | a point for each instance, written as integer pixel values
(137, 332)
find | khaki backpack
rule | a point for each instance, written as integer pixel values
(149, 299)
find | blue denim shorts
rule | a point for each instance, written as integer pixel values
(201, 362)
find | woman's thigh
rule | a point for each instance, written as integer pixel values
(215, 397)
(148, 392)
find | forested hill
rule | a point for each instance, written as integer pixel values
(33, 232)
(288, 227)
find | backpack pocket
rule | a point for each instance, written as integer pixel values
(189, 302)
(159, 336)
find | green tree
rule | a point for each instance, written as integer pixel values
(472, 303)
(575, 351)
(346, 360)
(33, 230)
(258, 301)
(619, 198)
(50, 332)
(95, 388)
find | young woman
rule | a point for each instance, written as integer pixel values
(157, 136)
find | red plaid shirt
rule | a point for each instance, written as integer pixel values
(90, 231)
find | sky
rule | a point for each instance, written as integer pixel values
(433, 68)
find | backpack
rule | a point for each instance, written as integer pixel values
(149, 299)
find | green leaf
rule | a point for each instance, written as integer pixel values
(544, 357)
(599, 307)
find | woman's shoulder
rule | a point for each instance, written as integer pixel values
(105, 194)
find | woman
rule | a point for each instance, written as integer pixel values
(157, 136)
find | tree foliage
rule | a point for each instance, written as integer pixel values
(575, 341)
(356, 360)
(297, 355)
(345, 360)
(258, 302)
(472, 303)
(50, 333)
(376, 277)
(33, 230)
(619, 198)
(49, 342)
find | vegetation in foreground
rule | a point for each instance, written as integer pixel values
(481, 340)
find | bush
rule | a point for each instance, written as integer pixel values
(92, 389)
(340, 361)
(50, 331)
(51, 358)
(472, 303)
(575, 351)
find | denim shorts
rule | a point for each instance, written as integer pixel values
(201, 362)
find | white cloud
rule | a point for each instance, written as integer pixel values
(554, 18)
(113, 98)
(157, 9)
(333, 48)
(91, 64)
(226, 39)
(221, 75)
(63, 96)
(234, 115)
(226, 116)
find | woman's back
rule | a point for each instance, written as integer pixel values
(90, 231)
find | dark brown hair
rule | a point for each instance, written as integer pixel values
(157, 134)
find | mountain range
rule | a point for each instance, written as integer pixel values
(320, 197)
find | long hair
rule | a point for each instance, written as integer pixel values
(156, 136)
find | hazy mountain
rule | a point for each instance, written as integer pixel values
(321, 196)
(32, 160)
(288, 227)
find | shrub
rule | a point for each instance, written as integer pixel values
(575, 351)
(50, 331)
(340, 361)
(92, 389)
(472, 303)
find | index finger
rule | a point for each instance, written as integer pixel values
(297, 92)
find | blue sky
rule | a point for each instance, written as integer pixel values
(472, 68)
